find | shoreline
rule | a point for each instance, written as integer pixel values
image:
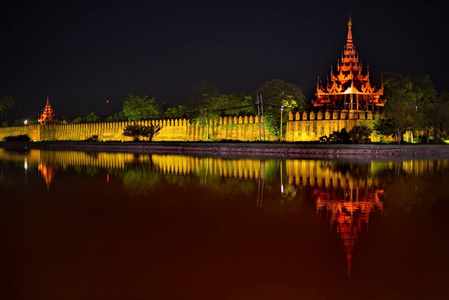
(270, 149)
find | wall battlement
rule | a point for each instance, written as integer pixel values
(310, 126)
(245, 128)
(304, 126)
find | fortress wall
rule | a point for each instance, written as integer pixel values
(33, 131)
(310, 126)
(227, 128)
(301, 127)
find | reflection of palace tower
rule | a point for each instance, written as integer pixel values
(48, 173)
(345, 201)
(348, 212)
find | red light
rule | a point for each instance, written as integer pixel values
(107, 101)
(107, 177)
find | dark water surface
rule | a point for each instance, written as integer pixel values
(78, 225)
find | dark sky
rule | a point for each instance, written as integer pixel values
(82, 53)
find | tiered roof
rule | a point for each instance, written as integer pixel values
(349, 216)
(348, 80)
(48, 115)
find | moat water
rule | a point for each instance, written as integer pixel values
(77, 225)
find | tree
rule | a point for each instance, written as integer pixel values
(336, 137)
(228, 105)
(92, 118)
(175, 112)
(276, 93)
(120, 116)
(360, 134)
(78, 120)
(401, 111)
(385, 127)
(6, 104)
(201, 92)
(137, 131)
(137, 107)
(437, 120)
(213, 108)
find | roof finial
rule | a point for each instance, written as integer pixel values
(349, 39)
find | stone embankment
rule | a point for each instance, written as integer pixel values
(286, 150)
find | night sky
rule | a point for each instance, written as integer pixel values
(82, 53)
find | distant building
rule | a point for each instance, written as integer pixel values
(48, 115)
(349, 89)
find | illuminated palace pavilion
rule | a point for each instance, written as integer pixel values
(48, 115)
(349, 88)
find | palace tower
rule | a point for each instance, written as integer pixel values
(348, 88)
(48, 115)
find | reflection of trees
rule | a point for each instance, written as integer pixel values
(354, 170)
(415, 186)
(6, 182)
(140, 182)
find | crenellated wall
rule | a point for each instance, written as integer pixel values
(33, 131)
(301, 127)
(310, 126)
(226, 128)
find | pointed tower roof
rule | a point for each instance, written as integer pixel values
(349, 80)
(48, 114)
(349, 38)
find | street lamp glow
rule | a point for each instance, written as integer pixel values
(25, 122)
(282, 110)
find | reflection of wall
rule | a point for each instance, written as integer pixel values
(71, 158)
(323, 173)
(237, 168)
(172, 164)
(313, 172)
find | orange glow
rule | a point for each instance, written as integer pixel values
(349, 88)
(349, 217)
(48, 114)
(48, 173)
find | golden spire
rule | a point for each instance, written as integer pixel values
(48, 114)
(349, 38)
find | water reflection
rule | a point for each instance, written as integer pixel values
(345, 197)
(48, 173)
